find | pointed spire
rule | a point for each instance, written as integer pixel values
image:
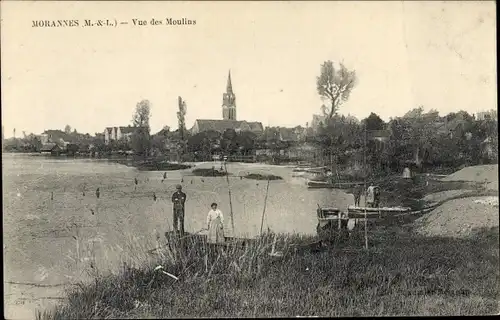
(229, 87)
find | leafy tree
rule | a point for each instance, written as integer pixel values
(181, 117)
(165, 130)
(140, 140)
(376, 152)
(245, 141)
(204, 143)
(72, 149)
(374, 122)
(142, 114)
(335, 86)
(228, 142)
(67, 129)
(414, 113)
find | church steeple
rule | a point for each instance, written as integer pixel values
(229, 101)
(229, 87)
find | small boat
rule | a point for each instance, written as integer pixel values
(354, 212)
(330, 221)
(299, 169)
(327, 215)
(201, 239)
(309, 169)
(320, 184)
(385, 209)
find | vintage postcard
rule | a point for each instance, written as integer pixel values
(249, 159)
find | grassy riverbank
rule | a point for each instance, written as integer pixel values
(401, 274)
(396, 191)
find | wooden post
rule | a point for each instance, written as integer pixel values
(230, 202)
(366, 226)
(366, 220)
(264, 211)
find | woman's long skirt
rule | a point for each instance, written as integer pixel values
(216, 231)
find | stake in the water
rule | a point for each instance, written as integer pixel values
(230, 202)
(366, 223)
(264, 211)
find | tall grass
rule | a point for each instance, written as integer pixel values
(402, 274)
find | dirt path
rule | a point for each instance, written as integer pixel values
(461, 217)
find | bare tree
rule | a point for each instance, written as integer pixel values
(142, 114)
(335, 86)
(67, 129)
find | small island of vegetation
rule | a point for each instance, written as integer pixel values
(209, 172)
(160, 166)
(258, 176)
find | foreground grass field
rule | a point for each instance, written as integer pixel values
(401, 274)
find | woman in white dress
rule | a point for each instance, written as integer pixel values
(215, 225)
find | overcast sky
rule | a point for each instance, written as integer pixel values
(441, 55)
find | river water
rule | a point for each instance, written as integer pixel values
(45, 209)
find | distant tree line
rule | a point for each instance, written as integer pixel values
(419, 139)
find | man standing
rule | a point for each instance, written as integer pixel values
(358, 189)
(376, 197)
(178, 200)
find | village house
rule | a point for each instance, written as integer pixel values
(487, 150)
(292, 135)
(202, 125)
(284, 139)
(118, 133)
(50, 148)
(305, 151)
(380, 137)
(487, 115)
(228, 120)
(55, 136)
(317, 122)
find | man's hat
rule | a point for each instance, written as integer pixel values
(178, 186)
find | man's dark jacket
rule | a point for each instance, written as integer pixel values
(178, 199)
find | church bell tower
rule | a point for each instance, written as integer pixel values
(229, 101)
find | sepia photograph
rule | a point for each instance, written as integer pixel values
(243, 159)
